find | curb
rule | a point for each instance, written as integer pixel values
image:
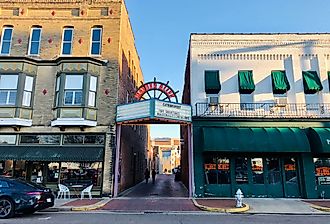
(321, 208)
(245, 208)
(91, 207)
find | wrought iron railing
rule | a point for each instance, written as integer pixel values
(262, 110)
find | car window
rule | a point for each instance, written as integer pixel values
(3, 184)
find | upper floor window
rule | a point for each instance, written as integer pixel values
(96, 41)
(8, 89)
(35, 37)
(73, 89)
(67, 41)
(6, 37)
(92, 91)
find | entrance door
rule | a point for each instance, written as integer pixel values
(274, 178)
(291, 178)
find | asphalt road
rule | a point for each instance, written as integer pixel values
(109, 218)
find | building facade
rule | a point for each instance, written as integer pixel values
(64, 66)
(166, 154)
(261, 110)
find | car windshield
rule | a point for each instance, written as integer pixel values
(30, 184)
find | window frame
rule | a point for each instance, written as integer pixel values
(11, 90)
(63, 41)
(74, 91)
(11, 39)
(39, 41)
(28, 91)
(100, 41)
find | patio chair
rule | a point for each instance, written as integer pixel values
(87, 190)
(63, 191)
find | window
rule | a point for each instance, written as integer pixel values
(217, 170)
(40, 139)
(8, 89)
(96, 41)
(67, 41)
(92, 91)
(73, 89)
(83, 139)
(7, 139)
(257, 170)
(241, 170)
(322, 171)
(6, 37)
(35, 37)
(27, 93)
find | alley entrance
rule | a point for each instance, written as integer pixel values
(155, 103)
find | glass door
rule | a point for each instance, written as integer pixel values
(258, 177)
(291, 178)
(274, 178)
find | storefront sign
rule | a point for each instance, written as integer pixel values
(154, 110)
(323, 180)
(323, 171)
(172, 111)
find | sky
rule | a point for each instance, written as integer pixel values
(162, 30)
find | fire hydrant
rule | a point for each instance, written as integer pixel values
(239, 198)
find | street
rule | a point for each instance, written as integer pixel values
(130, 218)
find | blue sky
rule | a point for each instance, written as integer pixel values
(162, 29)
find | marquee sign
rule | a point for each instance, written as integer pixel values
(156, 90)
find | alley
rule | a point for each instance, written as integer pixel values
(164, 186)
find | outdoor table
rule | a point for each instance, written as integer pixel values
(76, 189)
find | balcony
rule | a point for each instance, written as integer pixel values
(262, 110)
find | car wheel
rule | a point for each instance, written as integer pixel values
(7, 209)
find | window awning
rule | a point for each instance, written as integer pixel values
(312, 83)
(245, 82)
(280, 82)
(319, 139)
(52, 153)
(255, 140)
(212, 82)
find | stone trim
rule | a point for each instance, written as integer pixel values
(89, 2)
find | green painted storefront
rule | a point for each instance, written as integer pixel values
(277, 158)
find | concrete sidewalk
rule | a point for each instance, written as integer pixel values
(75, 204)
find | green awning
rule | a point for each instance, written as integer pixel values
(255, 140)
(319, 139)
(312, 83)
(245, 82)
(52, 153)
(212, 82)
(280, 82)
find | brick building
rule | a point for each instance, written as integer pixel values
(64, 66)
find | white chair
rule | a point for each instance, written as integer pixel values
(87, 190)
(63, 191)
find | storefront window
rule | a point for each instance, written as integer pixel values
(8, 139)
(83, 174)
(94, 139)
(84, 139)
(241, 170)
(8, 168)
(53, 172)
(40, 139)
(257, 170)
(274, 174)
(223, 171)
(290, 170)
(322, 171)
(210, 169)
(20, 171)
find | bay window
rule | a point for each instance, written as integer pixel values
(75, 96)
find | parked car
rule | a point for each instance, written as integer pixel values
(19, 196)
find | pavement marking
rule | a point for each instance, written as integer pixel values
(45, 218)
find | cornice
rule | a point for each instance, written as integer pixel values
(87, 2)
(261, 43)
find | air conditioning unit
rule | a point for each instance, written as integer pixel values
(281, 101)
(213, 100)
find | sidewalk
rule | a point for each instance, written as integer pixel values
(75, 204)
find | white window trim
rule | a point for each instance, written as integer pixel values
(71, 42)
(91, 41)
(73, 97)
(30, 41)
(11, 39)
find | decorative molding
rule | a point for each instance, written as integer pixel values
(87, 2)
(254, 57)
(262, 44)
